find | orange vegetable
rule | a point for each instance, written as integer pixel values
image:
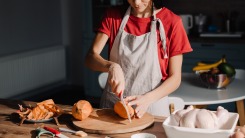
(121, 111)
(81, 109)
(44, 110)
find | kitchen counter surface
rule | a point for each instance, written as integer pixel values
(9, 123)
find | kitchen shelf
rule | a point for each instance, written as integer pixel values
(229, 35)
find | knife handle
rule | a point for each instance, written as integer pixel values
(52, 130)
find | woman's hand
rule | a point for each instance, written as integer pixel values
(116, 78)
(141, 102)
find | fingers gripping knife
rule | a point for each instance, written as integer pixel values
(124, 105)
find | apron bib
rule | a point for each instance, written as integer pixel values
(138, 57)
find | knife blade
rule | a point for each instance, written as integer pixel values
(56, 132)
(124, 105)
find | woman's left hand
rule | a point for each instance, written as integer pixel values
(141, 103)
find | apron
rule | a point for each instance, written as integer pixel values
(138, 57)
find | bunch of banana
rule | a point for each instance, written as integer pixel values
(208, 66)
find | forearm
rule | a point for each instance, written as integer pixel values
(115, 73)
(95, 62)
(171, 83)
(166, 88)
(93, 58)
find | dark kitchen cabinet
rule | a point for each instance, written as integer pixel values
(99, 7)
(211, 52)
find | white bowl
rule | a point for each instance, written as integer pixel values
(143, 135)
(184, 132)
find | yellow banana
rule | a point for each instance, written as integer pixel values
(201, 63)
(204, 66)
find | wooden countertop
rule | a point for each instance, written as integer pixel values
(9, 123)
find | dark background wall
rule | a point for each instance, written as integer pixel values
(214, 9)
(27, 25)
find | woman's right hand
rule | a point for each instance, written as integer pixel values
(116, 78)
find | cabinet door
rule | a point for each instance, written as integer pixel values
(211, 52)
(99, 8)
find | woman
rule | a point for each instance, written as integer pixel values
(145, 55)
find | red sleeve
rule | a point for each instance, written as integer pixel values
(105, 25)
(110, 23)
(179, 41)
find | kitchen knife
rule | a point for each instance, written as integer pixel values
(56, 132)
(124, 105)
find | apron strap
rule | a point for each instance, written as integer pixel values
(161, 28)
(162, 31)
(163, 37)
(153, 11)
(125, 19)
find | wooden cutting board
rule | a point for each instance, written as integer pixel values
(106, 121)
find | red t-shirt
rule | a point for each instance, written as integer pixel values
(177, 40)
